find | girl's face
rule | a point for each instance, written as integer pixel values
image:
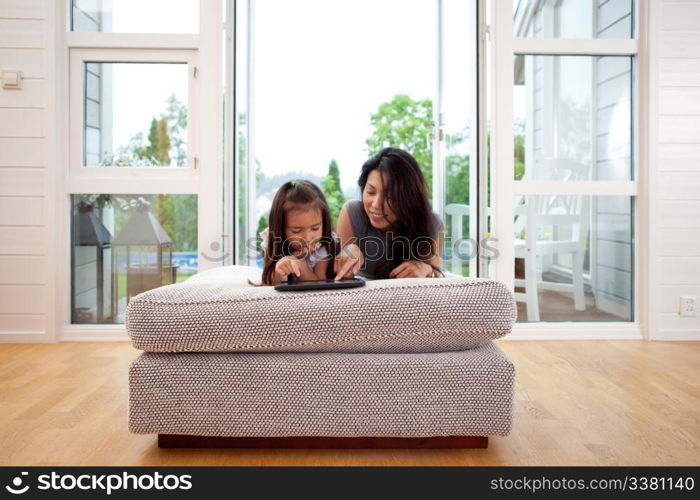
(303, 229)
(376, 206)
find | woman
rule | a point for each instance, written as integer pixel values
(392, 232)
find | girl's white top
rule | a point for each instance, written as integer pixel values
(310, 259)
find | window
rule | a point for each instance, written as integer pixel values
(135, 16)
(126, 244)
(573, 186)
(140, 169)
(135, 114)
(573, 18)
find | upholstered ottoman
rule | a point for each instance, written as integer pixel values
(396, 363)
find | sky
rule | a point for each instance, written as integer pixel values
(320, 69)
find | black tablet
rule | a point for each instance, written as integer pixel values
(295, 285)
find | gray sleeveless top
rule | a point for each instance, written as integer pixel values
(372, 241)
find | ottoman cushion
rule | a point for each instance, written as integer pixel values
(218, 310)
(467, 393)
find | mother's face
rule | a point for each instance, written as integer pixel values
(380, 214)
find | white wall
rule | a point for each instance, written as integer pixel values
(27, 177)
(674, 187)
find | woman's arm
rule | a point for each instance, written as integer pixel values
(344, 229)
(436, 261)
(421, 268)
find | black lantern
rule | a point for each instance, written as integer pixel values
(149, 253)
(92, 283)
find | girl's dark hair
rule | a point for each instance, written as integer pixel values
(406, 194)
(295, 195)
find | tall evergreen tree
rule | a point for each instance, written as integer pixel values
(333, 190)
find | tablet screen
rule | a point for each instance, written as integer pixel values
(319, 284)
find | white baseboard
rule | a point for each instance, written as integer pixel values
(677, 334)
(107, 333)
(576, 331)
(25, 337)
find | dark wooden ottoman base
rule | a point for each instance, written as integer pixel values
(185, 441)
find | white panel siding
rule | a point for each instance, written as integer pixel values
(22, 181)
(31, 95)
(612, 238)
(22, 9)
(669, 298)
(679, 185)
(679, 72)
(20, 211)
(676, 157)
(680, 16)
(674, 44)
(21, 33)
(679, 214)
(24, 299)
(26, 185)
(31, 62)
(19, 323)
(679, 101)
(22, 241)
(675, 169)
(23, 152)
(18, 122)
(22, 270)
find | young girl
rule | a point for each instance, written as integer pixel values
(299, 239)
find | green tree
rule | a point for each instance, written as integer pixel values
(333, 191)
(519, 149)
(162, 149)
(165, 141)
(176, 113)
(407, 124)
(263, 222)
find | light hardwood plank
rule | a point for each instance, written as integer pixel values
(577, 403)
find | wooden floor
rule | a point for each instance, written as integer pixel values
(578, 403)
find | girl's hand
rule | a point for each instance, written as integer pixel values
(412, 269)
(348, 261)
(287, 265)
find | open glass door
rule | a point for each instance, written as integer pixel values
(457, 135)
(314, 100)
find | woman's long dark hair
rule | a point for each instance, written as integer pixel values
(406, 194)
(295, 195)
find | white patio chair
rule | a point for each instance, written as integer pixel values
(570, 214)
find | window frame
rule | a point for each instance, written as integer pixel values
(80, 174)
(505, 188)
(203, 177)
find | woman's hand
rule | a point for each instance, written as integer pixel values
(412, 269)
(348, 261)
(287, 265)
